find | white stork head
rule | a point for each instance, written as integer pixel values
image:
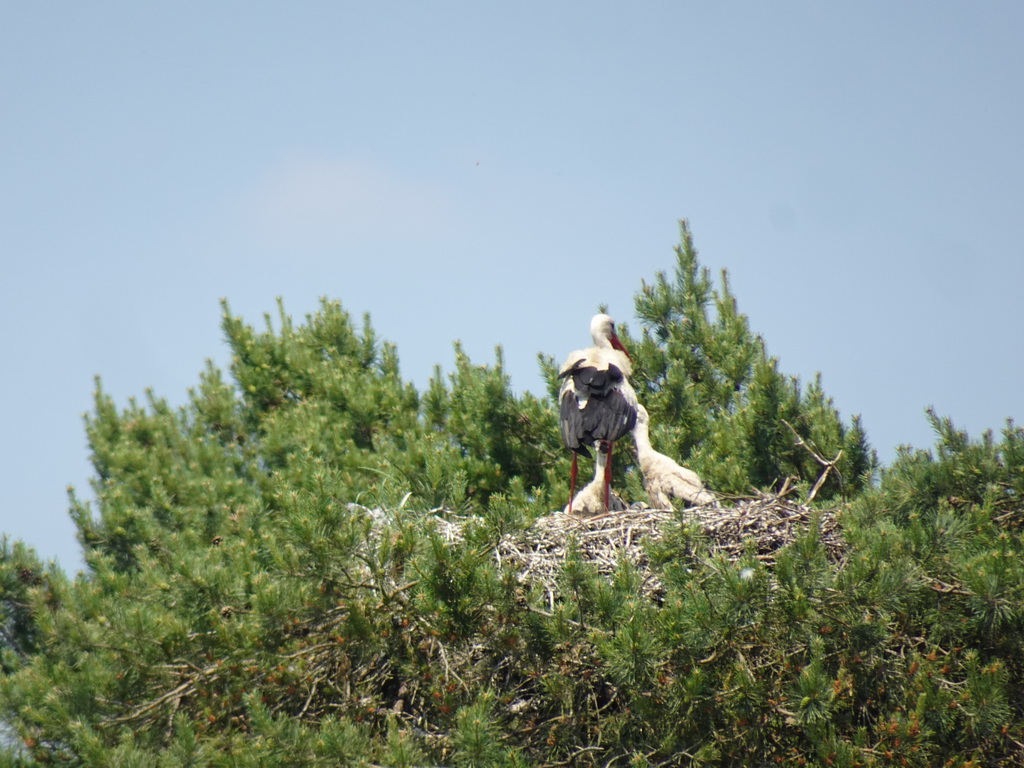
(602, 329)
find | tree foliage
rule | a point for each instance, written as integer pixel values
(266, 583)
(719, 400)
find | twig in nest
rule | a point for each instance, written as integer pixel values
(312, 692)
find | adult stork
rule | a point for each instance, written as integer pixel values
(596, 402)
(664, 479)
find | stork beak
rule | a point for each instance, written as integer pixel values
(618, 345)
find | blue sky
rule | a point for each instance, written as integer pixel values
(491, 173)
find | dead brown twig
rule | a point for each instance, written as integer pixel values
(828, 465)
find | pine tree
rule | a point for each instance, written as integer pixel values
(273, 578)
(721, 403)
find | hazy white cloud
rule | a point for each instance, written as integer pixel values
(322, 201)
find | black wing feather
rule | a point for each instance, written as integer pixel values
(607, 415)
(572, 424)
(608, 418)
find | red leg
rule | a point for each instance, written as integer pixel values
(608, 480)
(572, 482)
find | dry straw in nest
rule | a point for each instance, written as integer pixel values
(764, 524)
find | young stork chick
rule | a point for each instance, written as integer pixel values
(597, 405)
(664, 479)
(590, 501)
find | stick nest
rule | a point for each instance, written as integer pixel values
(762, 525)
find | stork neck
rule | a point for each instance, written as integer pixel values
(642, 438)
